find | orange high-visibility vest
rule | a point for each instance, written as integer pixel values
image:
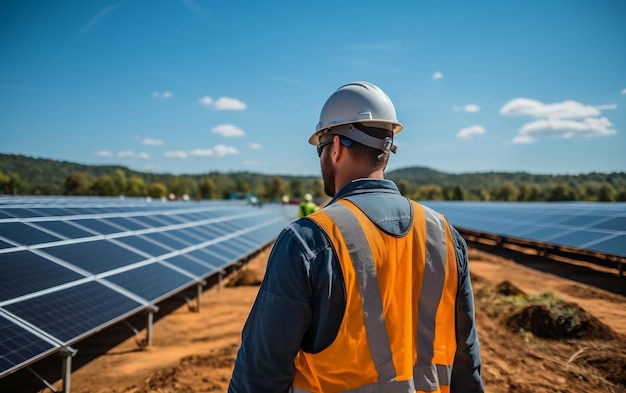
(398, 328)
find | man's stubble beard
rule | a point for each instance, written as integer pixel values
(328, 175)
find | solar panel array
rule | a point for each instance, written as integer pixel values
(72, 266)
(598, 227)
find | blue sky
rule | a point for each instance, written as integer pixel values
(195, 86)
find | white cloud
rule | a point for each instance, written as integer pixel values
(560, 110)
(468, 132)
(567, 119)
(228, 130)
(217, 151)
(226, 103)
(558, 128)
(132, 154)
(437, 75)
(471, 108)
(152, 142)
(206, 101)
(624, 91)
(456, 108)
(222, 150)
(104, 153)
(202, 152)
(255, 146)
(165, 94)
(606, 107)
(175, 154)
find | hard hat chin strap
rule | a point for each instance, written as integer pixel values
(350, 131)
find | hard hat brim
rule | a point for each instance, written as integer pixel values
(396, 127)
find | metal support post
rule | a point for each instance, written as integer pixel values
(199, 298)
(149, 319)
(66, 367)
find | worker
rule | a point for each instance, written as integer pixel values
(372, 293)
(307, 206)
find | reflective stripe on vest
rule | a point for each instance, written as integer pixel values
(426, 375)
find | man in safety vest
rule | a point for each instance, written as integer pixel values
(371, 293)
(307, 206)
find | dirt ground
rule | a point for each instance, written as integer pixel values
(523, 350)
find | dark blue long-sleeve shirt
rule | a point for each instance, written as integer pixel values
(301, 301)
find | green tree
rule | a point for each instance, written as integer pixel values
(76, 184)
(317, 188)
(458, 193)
(157, 190)
(208, 190)
(606, 193)
(403, 186)
(105, 186)
(560, 192)
(135, 187)
(119, 177)
(5, 183)
(430, 192)
(275, 189)
(297, 188)
(506, 192)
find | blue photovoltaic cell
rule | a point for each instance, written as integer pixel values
(204, 232)
(167, 240)
(125, 223)
(23, 272)
(96, 256)
(52, 212)
(4, 215)
(196, 268)
(615, 223)
(209, 257)
(25, 234)
(578, 237)
(616, 245)
(152, 281)
(74, 312)
(150, 222)
(187, 235)
(98, 226)
(144, 245)
(19, 346)
(540, 234)
(4, 244)
(226, 252)
(64, 229)
(578, 221)
(21, 213)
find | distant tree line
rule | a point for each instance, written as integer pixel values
(22, 175)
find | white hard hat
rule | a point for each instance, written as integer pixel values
(362, 103)
(308, 197)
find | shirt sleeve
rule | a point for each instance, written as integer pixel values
(466, 370)
(279, 318)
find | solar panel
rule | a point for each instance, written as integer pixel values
(71, 266)
(19, 345)
(598, 227)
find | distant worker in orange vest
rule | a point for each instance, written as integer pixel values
(307, 206)
(372, 293)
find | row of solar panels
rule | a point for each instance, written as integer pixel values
(72, 266)
(598, 227)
